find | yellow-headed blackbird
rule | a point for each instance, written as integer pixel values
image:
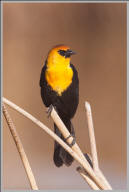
(60, 87)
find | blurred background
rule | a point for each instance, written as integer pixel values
(97, 32)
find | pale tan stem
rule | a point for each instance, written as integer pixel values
(20, 149)
(66, 133)
(100, 174)
(83, 163)
(76, 149)
(92, 137)
(46, 129)
(93, 145)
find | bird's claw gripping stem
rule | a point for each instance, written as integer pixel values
(49, 110)
(73, 141)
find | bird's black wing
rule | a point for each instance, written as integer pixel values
(48, 95)
(75, 81)
(45, 89)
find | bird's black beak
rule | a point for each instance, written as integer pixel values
(69, 53)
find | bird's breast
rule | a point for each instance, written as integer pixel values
(59, 78)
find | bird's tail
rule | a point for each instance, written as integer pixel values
(60, 155)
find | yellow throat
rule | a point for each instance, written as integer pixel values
(59, 74)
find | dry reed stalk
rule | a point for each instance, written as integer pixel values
(66, 134)
(93, 145)
(20, 149)
(97, 180)
(92, 137)
(83, 162)
(62, 143)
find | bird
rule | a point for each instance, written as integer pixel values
(59, 87)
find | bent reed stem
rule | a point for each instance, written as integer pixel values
(98, 181)
(20, 149)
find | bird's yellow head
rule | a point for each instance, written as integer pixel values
(59, 73)
(59, 55)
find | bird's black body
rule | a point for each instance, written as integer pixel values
(65, 105)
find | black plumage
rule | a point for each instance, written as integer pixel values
(65, 105)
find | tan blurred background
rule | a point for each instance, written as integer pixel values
(97, 32)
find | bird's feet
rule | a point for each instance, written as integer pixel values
(73, 141)
(72, 135)
(49, 110)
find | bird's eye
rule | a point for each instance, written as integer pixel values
(62, 52)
